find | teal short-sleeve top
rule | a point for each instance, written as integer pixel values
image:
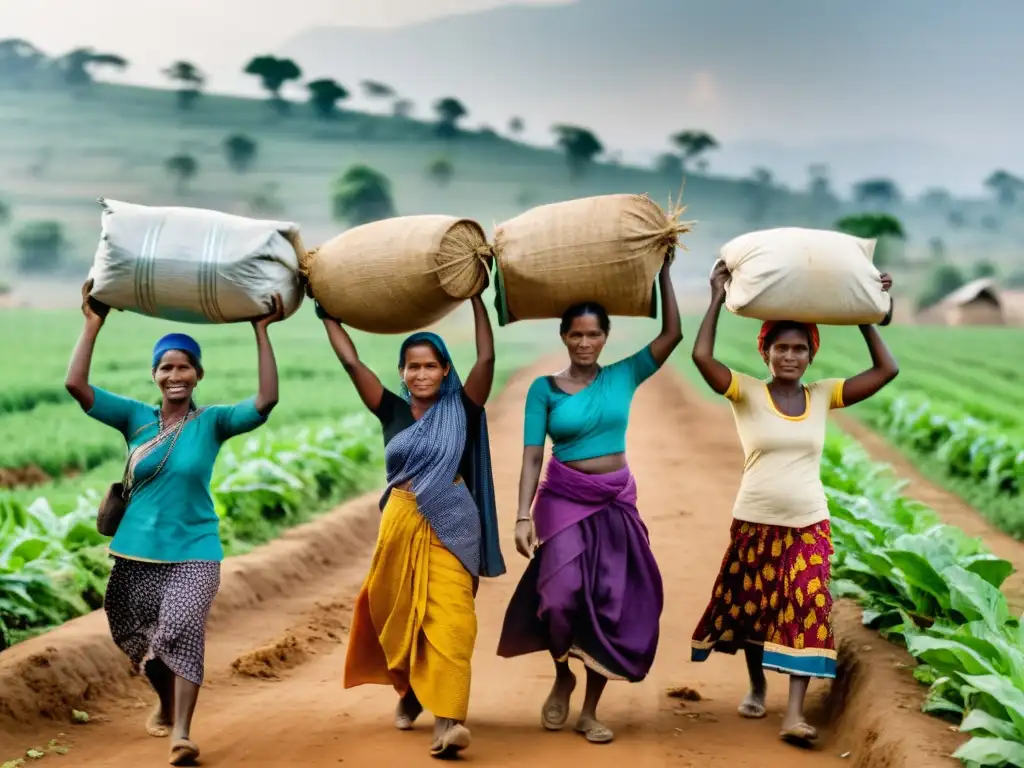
(170, 517)
(593, 421)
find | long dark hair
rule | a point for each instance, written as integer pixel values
(582, 309)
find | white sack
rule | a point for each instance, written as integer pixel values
(804, 275)
(195, 265)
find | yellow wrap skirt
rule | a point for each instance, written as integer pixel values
(414, 624)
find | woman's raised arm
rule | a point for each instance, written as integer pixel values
(77, 380)
(267, 396)
(481, 377)
(366, 382)
(716, 374)
(671, 334)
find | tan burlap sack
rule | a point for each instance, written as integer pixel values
(195, 265)
(607, 249)
(399, 274)
(805, 275)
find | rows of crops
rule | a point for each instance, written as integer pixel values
(929, 586)
(53, 565)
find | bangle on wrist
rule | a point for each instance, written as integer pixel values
(522, 519)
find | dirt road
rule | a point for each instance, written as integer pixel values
(685, 454)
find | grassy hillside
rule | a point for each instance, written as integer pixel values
(59, 151)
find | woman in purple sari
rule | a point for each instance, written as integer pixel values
(592, 589)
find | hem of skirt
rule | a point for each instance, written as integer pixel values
(808, 662)
(591, 663)
(151, 655)
(700, 650)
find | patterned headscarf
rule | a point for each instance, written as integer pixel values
(770, 325)
(428, 454)
(176, 342)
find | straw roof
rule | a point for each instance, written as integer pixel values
(982, 288)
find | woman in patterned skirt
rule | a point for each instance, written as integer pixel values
(167, 548)
(414, 625)
(771, 597)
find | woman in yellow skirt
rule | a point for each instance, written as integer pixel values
(414, 626)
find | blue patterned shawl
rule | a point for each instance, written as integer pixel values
(464, 516)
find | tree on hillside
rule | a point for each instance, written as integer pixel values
(943, 280)
(183, 168)
(936, 198)
(324, 95)
(984, 268)
(669, 164)
(273, 74)
(240, 151)
(580, 145)
(449, 111)
(374, 89)
(5, 213)
(440, 171)
(886, 229)
(190, 81)
(956, 219)
(516, 126)
(882, 192)
(40, 246)
(693, 144)
(1005, 186)
(402, 108)
(937, 249)
(20, 61)
(819, 189)
(362, 195)
(758, 191)
(79, 66)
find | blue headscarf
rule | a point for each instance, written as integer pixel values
(176, 342)
(429, 452)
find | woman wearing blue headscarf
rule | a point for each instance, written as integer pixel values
(167, 548)
(414, 625)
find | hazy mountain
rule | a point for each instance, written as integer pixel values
(925, 89)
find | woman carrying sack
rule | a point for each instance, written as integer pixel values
(167, 548)
(414, 625)
(592, 589)
(771, 597)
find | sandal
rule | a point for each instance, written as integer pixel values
(156, 725)
(454, 740)
(752, 709)
(802, 735)
(595, 732)
(184, 752)
(553, 715)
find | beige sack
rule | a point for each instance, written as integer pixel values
(608, 249)
(195, 265)
(399, 274)
(804, 275)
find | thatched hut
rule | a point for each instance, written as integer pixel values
(979, 302)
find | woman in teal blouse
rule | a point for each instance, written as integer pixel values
(167, 548)
(592, 590)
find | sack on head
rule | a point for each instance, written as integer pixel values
(195, 265)
(804, 275)
(607, 249)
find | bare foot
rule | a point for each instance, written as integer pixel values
(184, 752)
(555, 712)
(454, 738)
(594, 730)
(158, 724)
(752, 706)
(798, 732)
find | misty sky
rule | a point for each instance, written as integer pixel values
(920, 146)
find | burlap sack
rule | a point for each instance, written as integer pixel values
(805, 275)
(194, 265)
(400, 274)
(607, 249)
